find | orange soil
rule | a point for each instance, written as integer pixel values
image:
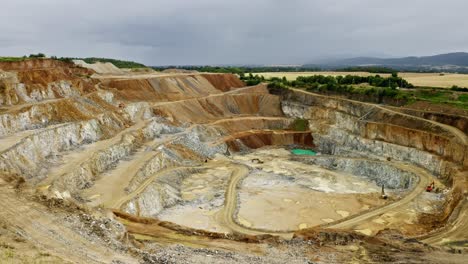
(224, 82)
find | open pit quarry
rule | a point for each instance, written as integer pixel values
(99, 165)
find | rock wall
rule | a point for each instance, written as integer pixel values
(380, 173)
(364, 121)
(224, 82)
(84, 174)
(160, 194)
(28, 157)
(33, 64)
(55, 112)
(258, 139)
(459, 121)
(215, 107)
(355, 129)
(163, 88)
(33, 81)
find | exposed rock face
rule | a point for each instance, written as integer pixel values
(350, 128)
(216, 107)
(351, 123)
(29, 155)
(382, 174)
(160, 194)
(163, 88)
(33, 64)
(258, 139)
(63, 130)
(458, 121)
(33, 81)
(130, 142)
(224, 82)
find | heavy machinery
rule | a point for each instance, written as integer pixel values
(430, 187)
(383, 195)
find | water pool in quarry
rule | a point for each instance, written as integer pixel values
(303, 152)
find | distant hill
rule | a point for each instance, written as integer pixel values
(449, 60)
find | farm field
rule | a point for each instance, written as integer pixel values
(418, 79)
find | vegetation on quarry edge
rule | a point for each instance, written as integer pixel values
(299, 68)
(118, 63)
(392, 90)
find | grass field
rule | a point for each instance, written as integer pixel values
(11, 59)
(417, 79)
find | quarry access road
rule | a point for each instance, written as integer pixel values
(454, 232)
(424, 179)
(143, 75)
(226, 216)
(220, 94)
(111, 185)
(15, 108)
(117, 204)
(249, 132)
(460, 135)
(228, 213)
(76, 158)
(46, 231)
(8, 142)
(108, 190)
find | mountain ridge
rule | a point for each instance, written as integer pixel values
(459, 59)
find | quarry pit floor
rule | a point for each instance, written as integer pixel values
(267, 192)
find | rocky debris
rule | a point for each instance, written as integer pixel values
(184, 255)
(106, 230)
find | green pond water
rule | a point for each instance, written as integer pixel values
(303, 152)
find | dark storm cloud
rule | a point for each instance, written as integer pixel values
(214, 31)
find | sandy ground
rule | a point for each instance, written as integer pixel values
(292, 208)
(298, 195)
(418, 79)
(203, 196)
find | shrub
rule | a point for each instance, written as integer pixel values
(300, 124)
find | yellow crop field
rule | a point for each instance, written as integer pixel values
(446, 80)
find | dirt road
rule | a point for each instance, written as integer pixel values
(455, 232)
(10, 141)
(424, 179)
(111, 185)
(226, 216)
(76, 158)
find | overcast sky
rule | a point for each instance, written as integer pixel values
(158, 32)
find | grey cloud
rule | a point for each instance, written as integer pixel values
(215, 32)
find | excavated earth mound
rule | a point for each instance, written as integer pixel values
(121, 166)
